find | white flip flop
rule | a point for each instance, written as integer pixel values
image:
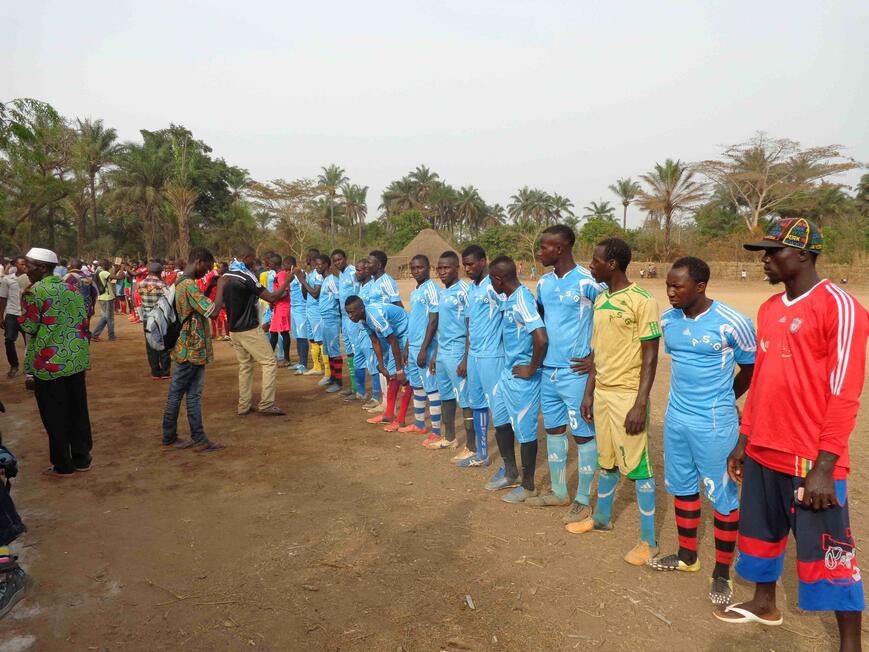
(745, 616)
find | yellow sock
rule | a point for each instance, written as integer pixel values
(326, 368)
(316, 357)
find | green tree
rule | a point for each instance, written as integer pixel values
(470, 209)
(672, 190)
(598, 210)
(598, 228)
(355, 204)
(96, 148)
(330, 180)
(405, 226)
(500, 240)
(626, 190)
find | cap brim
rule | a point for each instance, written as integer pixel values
(763, 244)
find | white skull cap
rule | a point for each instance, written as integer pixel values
(42, 255)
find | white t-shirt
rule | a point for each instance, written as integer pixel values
(11, 288)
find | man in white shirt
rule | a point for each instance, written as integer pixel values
(11, 287)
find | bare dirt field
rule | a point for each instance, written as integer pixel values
(317, 531)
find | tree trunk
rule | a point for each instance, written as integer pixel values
(51, 228)
(625, 216)
(93, 204)
(668, 222)
(81, 235)
(361, 222)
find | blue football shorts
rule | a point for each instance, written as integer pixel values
(516, 401)
(421, 376)
(561, 395)
(483, 375)
(451, 385)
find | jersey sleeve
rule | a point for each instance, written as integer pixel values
(198, 302)
(742, 339)
(647, 319)
(846, 331)
(432, 298)
(590, 289)
(377, 321)
(389, 289)
(747, 419)
(526, 310)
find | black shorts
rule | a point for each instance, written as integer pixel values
(827, 568)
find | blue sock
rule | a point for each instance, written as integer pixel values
(302, 348)
(587, 461)
(556, 450)
(481, 430)
(646, 503)
(434, 412)
(419, 407)
(375, 387)
(606, 491)
(359, 374)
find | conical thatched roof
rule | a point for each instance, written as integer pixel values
(427, 242)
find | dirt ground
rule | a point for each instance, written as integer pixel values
(317, 531)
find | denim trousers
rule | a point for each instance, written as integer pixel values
(107, 318)
(187, 379)
(159, 361)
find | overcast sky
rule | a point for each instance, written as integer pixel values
(566, 96)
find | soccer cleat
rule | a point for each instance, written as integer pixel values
(640, 554)
(301, 370)
(348, 391)
(673, 563)
(464, 454)
(440, 443)
(473, 462)
(577, 512)
(413, 428)
(370, 404)
(324, 381)
(548, 499)
(393, 426)
(378, 419)
(354, 397)
(14, 585)
(501, 481)
(312, 372)
(431, 441)
(518, 495)
(721, 592)
(500, 473)
(333, 388)
(587, 525)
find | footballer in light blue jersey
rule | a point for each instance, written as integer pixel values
(330, 313)
(485, 320)
(312, 307)
(423, 303)
(297, 310)
(388, 324)
(383, 286)
(707, 339)
(451, 338)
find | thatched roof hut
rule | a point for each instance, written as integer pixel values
(427, 242)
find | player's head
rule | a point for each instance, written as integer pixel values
(322, 263)
(309, 257)
(362, 274)
(686, 282)
(355, 308)
(201, 259)
(448, 268)
(289, 262)
(377, 262)
(245, 254)
(790, 247)
(339, 259)
(276, 260)
(474, 261)
(502, 273)
(610, 256)
(420, 268)
(555, 242)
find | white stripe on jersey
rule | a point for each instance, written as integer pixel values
(845, 307)
(524, 310)
(432, 294)
(742, 327)
(380, 327)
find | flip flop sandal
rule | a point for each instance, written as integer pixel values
(736, 614)
(209, 448)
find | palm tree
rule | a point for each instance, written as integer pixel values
(444, 204)
(399, 196)
(627, 190)
(96, 148)
(671, 190)
(139, 181)
(425, 181)
(238, 181)
(355, 205)
(599, 211)
(329, 181)
(470, 208)
(179, 191)
(561, 206)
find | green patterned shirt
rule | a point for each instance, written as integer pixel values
(194, 309)
(55, 319)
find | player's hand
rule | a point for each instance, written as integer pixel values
(3, 324)
(819, 492)
(266, 328)
(462, 369)
(586, 409)
(582, 365)
(401, 376)
(381, 369)
(298, 273)
(432, 367)
(635, 422)
(420, 360)
(405, 358)
(736, 459)
(523, 371)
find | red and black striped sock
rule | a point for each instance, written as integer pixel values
(726, 529)
(687, 520)
(337, 367)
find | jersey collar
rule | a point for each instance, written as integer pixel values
(790, 302)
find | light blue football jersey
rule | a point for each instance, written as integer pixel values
(452, 314)
(348, 285)
(330, 299)
(520, 319)
(485, 320)
(365, 292)
(568, 312)
(423, 302)
(297, 299)
(312, 305)
(386, 319)
(705, 351)
(384, 290)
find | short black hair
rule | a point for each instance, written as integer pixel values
(475, 251)
(313, 251)
(452, 255)
(276, 259)
(423, 258)
(243, 250)
(291, 260)
(323, 258)
(379, 255)
(507, 263)
(339, 252)
(351, 300)
(698, 270)
(618, 250)
(200, 254)
(562, 231)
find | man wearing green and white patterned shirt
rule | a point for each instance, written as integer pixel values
(58, 354)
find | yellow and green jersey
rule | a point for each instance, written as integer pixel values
(621, 320)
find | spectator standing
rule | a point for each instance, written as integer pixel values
(82, 283)
(151, 288)
(103, 279)
(11, 287)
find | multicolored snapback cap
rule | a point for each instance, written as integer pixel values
(796, 232)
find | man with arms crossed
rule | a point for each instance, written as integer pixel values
(792, 455)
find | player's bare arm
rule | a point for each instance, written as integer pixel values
(462, 369)
(635, 421)
(586, 408)
(378, 354)
(392, 340)
(736, 459)
(742, 379)
(431, 330)
(582, 365)
(539, 344)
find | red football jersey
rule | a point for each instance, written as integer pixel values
(808, 377)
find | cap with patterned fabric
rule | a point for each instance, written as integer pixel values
(795, 232)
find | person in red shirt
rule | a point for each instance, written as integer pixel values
(792, 455)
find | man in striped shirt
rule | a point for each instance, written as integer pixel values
(792, 455)
(150, 291)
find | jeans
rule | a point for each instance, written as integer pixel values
(187, 379)
(63, 406)
(10, 337)
(10, 522)
(159, 361)
(107, 318)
